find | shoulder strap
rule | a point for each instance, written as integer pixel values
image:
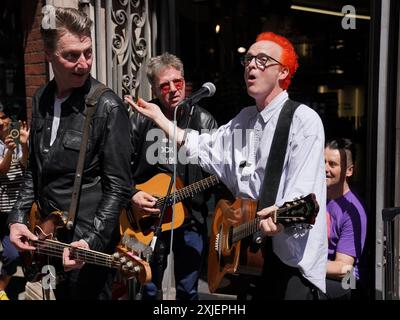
(276, 158)
(91, 102)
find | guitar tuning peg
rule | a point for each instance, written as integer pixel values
(123, 260)
(131, 269)
(136, 269)
(116, 255)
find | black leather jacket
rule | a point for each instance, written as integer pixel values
(143, 171)
(106, 183)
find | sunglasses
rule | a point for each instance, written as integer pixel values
(165, 87)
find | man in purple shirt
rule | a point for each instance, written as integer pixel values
(347, 220)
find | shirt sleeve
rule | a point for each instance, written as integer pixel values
(346, 243)
(209, 150)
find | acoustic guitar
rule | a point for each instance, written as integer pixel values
(226, 255)
(141, 225)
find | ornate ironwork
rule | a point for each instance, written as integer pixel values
(125, 47)
(129, 46)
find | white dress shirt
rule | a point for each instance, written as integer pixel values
(238, 152)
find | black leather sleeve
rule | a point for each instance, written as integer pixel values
(115, 160)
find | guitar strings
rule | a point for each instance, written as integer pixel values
(252, 226)
(45, 248)
(90, 260)
(56, 249)
(58, 254)
(245, 229)
(190, 190)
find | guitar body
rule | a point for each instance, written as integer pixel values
(227, 257)
(136, 223)
(232, 249)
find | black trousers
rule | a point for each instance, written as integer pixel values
(89, 283)
(281, 282)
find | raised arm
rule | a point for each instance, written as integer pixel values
(154, 113)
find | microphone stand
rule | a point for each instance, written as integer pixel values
(172, 185)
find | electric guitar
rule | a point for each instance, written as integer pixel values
(126, 259)
(141, 225)
(225, 253)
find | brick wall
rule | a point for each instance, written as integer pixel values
(36, 69)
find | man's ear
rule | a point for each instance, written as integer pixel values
(283, 73)
(349, 170)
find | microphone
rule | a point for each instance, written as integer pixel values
(207, 90)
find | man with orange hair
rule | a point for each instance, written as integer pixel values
(295, 265)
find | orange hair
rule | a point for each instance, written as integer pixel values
(288, 57)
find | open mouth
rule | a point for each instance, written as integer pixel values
(80, 75)
(251, 78)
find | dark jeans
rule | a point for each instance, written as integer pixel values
(10, 256)
(188, 245)
(89, 283)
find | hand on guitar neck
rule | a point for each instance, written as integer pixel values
(267, 225)
(68, 262)
(20, 237)
(145, 202)
(233, 216)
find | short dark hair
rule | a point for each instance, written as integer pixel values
(343, 144)
(66, 20)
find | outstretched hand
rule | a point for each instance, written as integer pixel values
(149, 110)
(154, 113)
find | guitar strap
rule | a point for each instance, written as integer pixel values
(274, 168)
(276, 158)
(91, 102)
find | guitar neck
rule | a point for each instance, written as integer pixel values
(191, 190)
(55, 249)
(250, 227)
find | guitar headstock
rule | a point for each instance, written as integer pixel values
(131, 264)
(302, 210)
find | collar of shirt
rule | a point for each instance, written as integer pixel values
(276, 104)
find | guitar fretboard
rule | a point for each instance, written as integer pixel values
(250, 227)
(55, 249)
(190, 191)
